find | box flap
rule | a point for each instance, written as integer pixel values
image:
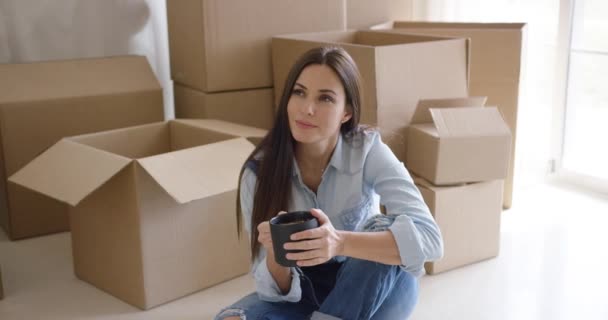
(422, 115)
(225, 127)
(199, 172)
(469, 121)
(453, 25)
(69, 171)
(75, 78)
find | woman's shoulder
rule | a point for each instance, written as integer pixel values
(356, 146)
(362, 139)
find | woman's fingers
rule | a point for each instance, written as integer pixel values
(305, 245)
(304, 255)
(319, 232)
(311, 262)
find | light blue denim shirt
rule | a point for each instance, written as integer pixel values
(361, 171)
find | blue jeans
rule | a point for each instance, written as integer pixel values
(355, 289)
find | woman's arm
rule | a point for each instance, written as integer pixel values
(407, 235)
(272, 284)
(328, 242)
(280, 274)
(374, 246)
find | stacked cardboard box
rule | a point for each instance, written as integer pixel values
(1, 286)
(152, 217)
(221, 47)
(459, 151)
(40, 103)
(397, 71)
(497, 51)
(364, 13)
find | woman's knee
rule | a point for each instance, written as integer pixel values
(231, 314)
(357, 267)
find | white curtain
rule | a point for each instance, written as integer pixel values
(38, 30)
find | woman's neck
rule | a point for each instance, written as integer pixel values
(315, 157)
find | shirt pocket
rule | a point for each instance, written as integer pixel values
(353, 218)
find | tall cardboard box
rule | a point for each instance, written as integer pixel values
(41, 103)
(249, 107)
(497, 54)
(397, 70)
(220, 45)
(458, 144)
(469, 218)
(153, 207)
(365, 13)
(1, 286)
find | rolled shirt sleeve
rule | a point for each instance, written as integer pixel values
(266, 287)
(416, 233)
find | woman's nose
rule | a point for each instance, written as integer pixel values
(309, 108)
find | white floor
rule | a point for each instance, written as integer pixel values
(552, 265)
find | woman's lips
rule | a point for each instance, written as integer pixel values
(304, 125)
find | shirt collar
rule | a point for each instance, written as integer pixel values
(336, 160)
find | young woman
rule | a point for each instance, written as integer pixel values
(358, 264)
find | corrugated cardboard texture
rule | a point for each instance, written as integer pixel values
(164, 225)
(43, 102)
(249, 107)
(469, 121)
(364, 13)
(193, 247)
(422, 114)
(132, 142)
(469, 219)
(1, 286)
(187, 135)
(226, 127)
(497, 50)
(219, 45)
(397, 70)
(69, 161)
(106, 238)
(195, 173)
(466, 144)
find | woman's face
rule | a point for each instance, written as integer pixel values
(317, 106)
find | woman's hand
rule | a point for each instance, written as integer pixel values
(322, 243)
(264, 236)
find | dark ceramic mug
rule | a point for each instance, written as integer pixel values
(281, 229)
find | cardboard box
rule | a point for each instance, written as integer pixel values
(364, 13)
(220, 45)
(41, 103)
(249, 107)
(461, 143)
(153, 207)
(397, 70)
(497, 54)
(468, 216)
(1, 286)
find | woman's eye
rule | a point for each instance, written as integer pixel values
(297, 92)
(327, 98)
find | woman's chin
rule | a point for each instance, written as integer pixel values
(303, 137)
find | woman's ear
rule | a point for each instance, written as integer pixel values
(347, 116)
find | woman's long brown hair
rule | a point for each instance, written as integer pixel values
(274, 155)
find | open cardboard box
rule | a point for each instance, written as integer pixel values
(397, 70)
(468, 216)
(248, 107)
(458, 140)
(153, 207)
(497, 60)
(42, 102)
